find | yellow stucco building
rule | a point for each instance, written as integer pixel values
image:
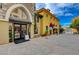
(46, 18)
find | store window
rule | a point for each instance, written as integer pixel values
(24, 29)
(10, 33)
(17, 31)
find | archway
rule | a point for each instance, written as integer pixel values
(20, 27)
(9, 11)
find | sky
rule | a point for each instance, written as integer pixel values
(65, 12)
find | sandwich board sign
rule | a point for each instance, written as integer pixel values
(26, 37)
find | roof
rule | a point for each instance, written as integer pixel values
(43, 9)
(47, 11)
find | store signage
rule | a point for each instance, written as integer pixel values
(26, 37)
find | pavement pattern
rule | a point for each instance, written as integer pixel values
(63, 44)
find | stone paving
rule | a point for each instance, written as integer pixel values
(63, 44)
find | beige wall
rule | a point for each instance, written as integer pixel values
(6, 6)
(4, 25)
(4, 32)
(32, 30)
(74, 30)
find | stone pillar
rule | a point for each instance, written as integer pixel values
(32, 30)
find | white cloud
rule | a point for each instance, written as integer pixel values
(40, 5)
(61, 5)
(66, 24)
(47, 5)
(59, 13)
(60, 9)
(55, 8)
(68, 14)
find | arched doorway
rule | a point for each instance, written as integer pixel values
(20, 20)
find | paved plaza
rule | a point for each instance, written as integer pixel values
(63, 44)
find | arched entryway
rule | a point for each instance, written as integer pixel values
(20, 20)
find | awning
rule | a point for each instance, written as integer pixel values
(19, 21)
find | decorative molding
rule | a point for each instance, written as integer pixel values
(13, 7)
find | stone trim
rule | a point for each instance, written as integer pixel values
(16, 6)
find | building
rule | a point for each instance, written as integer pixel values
(56, 25)
(44, 20)
(75, 25)
(15, 21)
(18, 21)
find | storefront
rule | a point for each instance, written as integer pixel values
(20, 27)
(16, 27)
(18, 30)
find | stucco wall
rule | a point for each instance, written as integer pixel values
(74, 30)
(4, 25)
(4, 32)
(45, 22)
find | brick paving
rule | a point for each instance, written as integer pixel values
(63, 44)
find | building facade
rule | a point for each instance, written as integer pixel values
(18, 21)
(46, 22)
(15, 21)
(75, 25)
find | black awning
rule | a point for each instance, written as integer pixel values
(19, 22)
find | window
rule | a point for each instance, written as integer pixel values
(17, 31)
(50, 17)
(46, 15)
(10, 33)
(35, 29)
(37, 18)
(24, 29)
(41, 16)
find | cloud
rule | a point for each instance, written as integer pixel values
(40, 5)
(62, 5)
(66, 24)
(64, 11)
(68, 14)
(61, 9)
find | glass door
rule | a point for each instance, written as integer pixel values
(17, 29)
(23, 31)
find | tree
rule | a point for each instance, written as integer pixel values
(75, 24)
